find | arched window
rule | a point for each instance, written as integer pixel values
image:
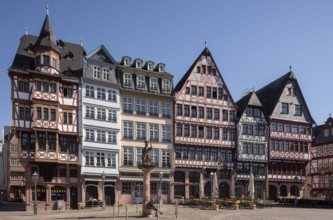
(294, 191)
(58, 193)
(283, 190)
(41, 193)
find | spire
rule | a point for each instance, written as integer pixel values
(81, 42)
(47, 9)
(290, 68)
(26, 30)
(46, 37)
(205, 44)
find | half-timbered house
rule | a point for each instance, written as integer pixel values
(252, 146)
(45, 86)
(204, 131)
(290, 135)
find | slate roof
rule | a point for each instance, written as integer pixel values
(46, 37)
(71, 63)
(318, 133)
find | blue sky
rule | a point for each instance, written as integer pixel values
(253, 41)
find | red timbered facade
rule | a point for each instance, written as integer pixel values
(204, 131)
(290, 136)
(321, 168)
(45, 83)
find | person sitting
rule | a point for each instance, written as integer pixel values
(151, 205)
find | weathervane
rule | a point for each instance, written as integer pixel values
(205, 44)
(290, 67)
(47, 9)
(26, 30)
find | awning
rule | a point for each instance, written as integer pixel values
(140, 179)
(99, 179)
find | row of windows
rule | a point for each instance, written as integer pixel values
(285, 145)
(286, 168)
(211, 92)
(156, 158)
(100, 159)
(195, 131)
(102, 114)
(324, 148)
(253, 129)
(245, 167)
(48, 142)
(327, 132)
(101, 93)
(98, 70)
(46, 87)
(50, 114)
(101, 136)
(127, 188)
(285, 109)
(251, 148)
(252, 111)
(203, 153)
(45, 60)
(205, 69)
(155, 108)
(199, 112)
(141, 131)
(141, 83)
(328, 162)
(290, 128)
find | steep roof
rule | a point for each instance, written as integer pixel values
(318, 133)
(250, 99)
(46, 37)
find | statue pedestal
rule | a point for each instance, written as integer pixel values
(146, 187)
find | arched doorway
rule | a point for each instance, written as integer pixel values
(74, 195)
(208, 189)
(283, 190)
(272, 192)
(224, 190)
(109, 194)
(294, 191)
(91, 191)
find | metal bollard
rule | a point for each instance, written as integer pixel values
(114, 210)
(126, 213)
(176, 209)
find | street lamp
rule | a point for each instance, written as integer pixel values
(211, 184)
(103, 178)
(161, 176)
(296, 180)
(34, 178)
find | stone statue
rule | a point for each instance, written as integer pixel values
(145, 156)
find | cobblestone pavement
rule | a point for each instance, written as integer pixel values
(185, 213)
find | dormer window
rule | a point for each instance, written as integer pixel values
(96, 72)
(126, 62)
(37, 60)
(138, 64)
(46, 60)
(141, 84)
(161, 68)
(105, 74)
(150, 66)
(153, 84)
(166, 86)
(127, 80)
(54, 63)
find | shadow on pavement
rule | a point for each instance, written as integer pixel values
(12, 206)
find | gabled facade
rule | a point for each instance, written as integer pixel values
(146, 108)
(204, 131)
(45, 87)
(290, 136)
(100, 126)
(321, 168)
(252, 146)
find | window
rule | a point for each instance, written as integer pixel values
(179, 109)
(185, 152)
(153, 132)
(199, 153)
(51, 140)
(112, 116)
(194, 131)
(166, 133)
(23, 86)
(214, 154)
(209, 113)
(46, 60)
(201, 112)
(42, 141)
(179, 130)
(45, 87)
(46, 114)
(280, 127)
(231, 135)
(39, 113)
(232, 115)
(150, 66)
(90, 112)
(284, 108)
(166, 109)
(112, 95)
(38, 86)
(101, 114)
(90, 91)
(54, 63)
(261, 149)
(127, 105)
(207, 154)
(166, 86)
(154, 157)
(153, 108)
(53, 88)
(214, 93)
(216, 133)
(186, 110)
(192, 153)
(153, 84)
(100, 159)
(101, 94)
(53, 114)
(89, 158)
(101, 136)
(166, 158)
(126, 188)
(140, 131)
(201, 91)
(112, 137)
(201, 132)
(140, 106)
(209, 69)
(216, 114)
(208, 92)
(153, 188)
(128, 130)
(225, 115)
(138, 156)
(90, 135)
(67, 92)
(138, 64)
(105, 74)
(111, 160)
(194, 90)
(38, 60)
(274, 126)
(127, 80)
(294, 129)
(203, 68)
(187, 90)
(186, 130)
(209, 132)
(298, 110)
(128, 156)
(220, 93)
(141, 83)
(194, 111)
(326, 132)
(96, 73)
(224, 134)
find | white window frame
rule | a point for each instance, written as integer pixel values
(153, 108)
(128, 129)
(140, 106)
(90, 135)
(112, 115)
(166, 133)
(141, 131)
(166, 109)
(128, 105)
(90, 155)
(153, 84)
(111, 160)
(96, 72)
(105, 74)
(90, 112)
(166, 85)
(127, 80)
(153, 132)
(140, 82)
(112, 95)
(112, 137)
